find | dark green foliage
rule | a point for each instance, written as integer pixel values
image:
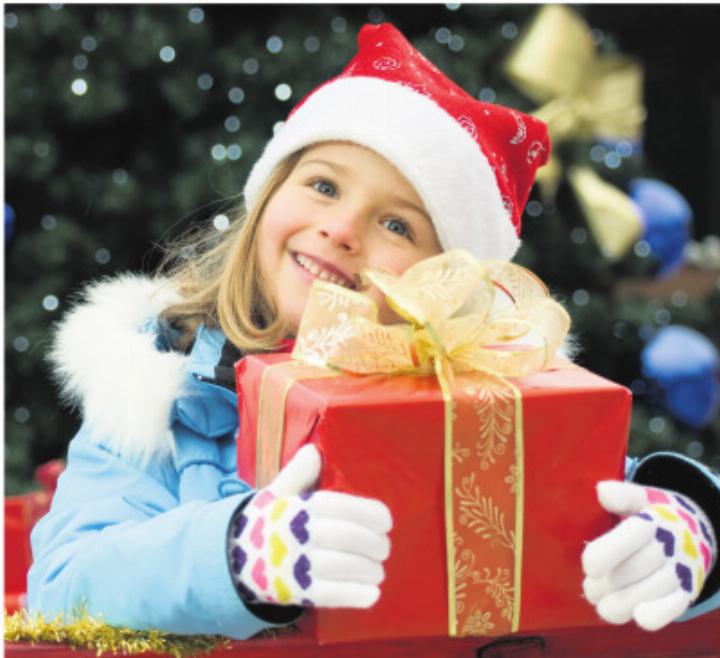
(97, 180)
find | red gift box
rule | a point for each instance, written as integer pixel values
(382, 437)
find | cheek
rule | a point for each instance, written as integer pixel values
(270, 230)
(274, 227)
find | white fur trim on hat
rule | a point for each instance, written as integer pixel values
(428, 146)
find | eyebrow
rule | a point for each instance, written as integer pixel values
(409, 204)
(341, 169)
(328, 163)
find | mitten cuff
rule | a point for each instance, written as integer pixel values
(673, 471)
(273, 614)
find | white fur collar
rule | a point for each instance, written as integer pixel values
(110, 369)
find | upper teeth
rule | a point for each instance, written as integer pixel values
(312, 267)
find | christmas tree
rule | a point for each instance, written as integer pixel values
(128, 124)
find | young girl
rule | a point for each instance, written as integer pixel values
(382, 166)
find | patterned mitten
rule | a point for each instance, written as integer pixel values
(653, 564)
(324, 549)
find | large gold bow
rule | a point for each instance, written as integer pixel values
(585, 95)
(462, 315)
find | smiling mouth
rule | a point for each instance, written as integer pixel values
(314, 268)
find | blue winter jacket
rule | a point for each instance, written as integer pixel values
(141, 542)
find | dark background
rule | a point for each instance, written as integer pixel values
(97, 181)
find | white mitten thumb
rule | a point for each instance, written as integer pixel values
(606, 552)
(623, 498)
(299, 475)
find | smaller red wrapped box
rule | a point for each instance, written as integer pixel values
(385, 437)
(21, 514)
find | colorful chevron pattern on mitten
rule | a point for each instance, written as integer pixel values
(653, 565)
(292, 546)
(273, 528)
(684, 533)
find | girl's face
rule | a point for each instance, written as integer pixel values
(343, 208)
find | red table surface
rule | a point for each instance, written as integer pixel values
(699, 638)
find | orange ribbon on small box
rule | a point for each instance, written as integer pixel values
(471, 324)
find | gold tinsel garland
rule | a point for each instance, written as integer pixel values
(86, 632)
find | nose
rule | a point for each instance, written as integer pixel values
(344, 230)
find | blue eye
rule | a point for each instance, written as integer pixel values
(397, 226)
(324, 187)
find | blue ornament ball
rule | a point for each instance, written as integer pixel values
(666, 218)
(686, 365)
(9, 221)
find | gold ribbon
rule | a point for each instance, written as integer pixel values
(472, 324)
(584, 94)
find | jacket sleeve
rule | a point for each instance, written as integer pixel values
(674, 471)
(118, 544)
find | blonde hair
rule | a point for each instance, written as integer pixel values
(221, 284)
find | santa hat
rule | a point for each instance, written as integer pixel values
(472, 163)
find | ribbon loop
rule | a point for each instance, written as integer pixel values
(432, 290)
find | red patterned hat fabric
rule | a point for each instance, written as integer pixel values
(472, 163)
